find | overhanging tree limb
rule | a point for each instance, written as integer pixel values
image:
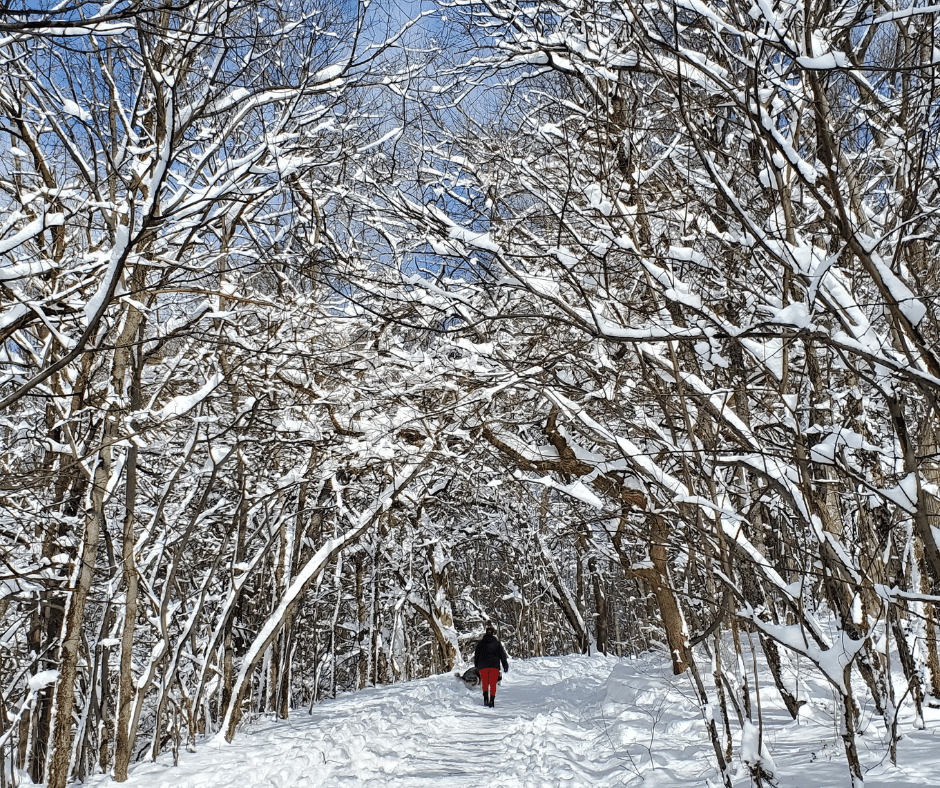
(307, 575)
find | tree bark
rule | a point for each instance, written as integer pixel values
(60, 752)
(125, 736)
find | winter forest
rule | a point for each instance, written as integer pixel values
(334, 331)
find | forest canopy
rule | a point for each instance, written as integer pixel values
(332, 333)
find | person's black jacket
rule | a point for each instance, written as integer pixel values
(489, 654)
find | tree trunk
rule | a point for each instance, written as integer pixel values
(125, 736)
(661, 586)
(601, 615)
(68, 654)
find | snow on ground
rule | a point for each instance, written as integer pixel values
(558, 721)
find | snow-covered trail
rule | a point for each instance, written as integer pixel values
(546, 730)
(566, 721)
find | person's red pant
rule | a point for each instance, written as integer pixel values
(489, 677)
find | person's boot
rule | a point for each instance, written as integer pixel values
(492, 703)
(486, 699)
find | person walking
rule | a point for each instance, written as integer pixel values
(486, 659)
